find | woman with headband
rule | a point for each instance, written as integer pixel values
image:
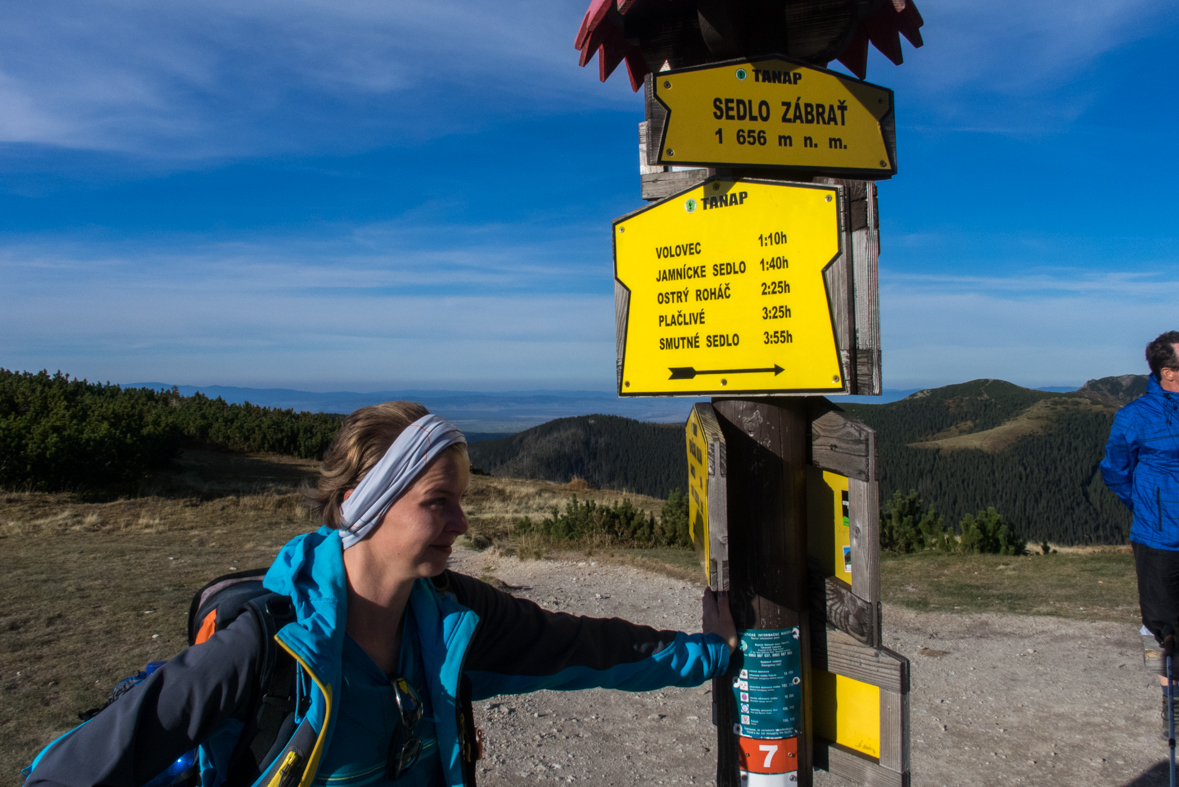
(393, 648)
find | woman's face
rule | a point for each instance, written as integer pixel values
(418, 530)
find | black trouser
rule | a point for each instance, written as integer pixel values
(1158, 587)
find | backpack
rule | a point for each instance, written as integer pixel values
(270, 721)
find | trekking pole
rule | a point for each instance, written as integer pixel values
(1168, 646)
(1171, 718)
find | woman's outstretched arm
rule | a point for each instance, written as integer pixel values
(172, 711)
(520, 647)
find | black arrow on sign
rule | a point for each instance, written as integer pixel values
(688, 372)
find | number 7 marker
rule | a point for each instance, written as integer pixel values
(768, 763)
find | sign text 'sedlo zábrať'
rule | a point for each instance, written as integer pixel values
(775, 113)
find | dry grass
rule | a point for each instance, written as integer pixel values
(495, 504)
(1084, 583)
(95, 589)
(31, 515)
(1031, 421)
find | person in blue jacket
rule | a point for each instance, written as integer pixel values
(1141, 467)
(393, 648)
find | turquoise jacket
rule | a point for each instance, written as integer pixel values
(476, 641)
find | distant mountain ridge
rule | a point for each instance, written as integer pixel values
(1032, 454)
(504, 412)
(1115, 391)
(607, 451)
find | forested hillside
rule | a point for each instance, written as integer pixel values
(1115, 391)
(61, 433)
(1033, 455)
(608, 451)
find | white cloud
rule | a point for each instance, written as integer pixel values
(1013, 67)
(213, 78)
(1020, 48)
(217, 78)
(276, 314)
(422, 259)
(1057, 328)
(138, 333)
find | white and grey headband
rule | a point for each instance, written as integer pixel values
(414, 449)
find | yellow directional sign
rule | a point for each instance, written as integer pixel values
(846, 711)
(707, 494)
(774, 112)
(721, 291)
(828, 537)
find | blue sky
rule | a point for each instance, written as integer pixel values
(383, 195)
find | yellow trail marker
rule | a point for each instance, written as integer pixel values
(773, 112)
(707, 494)
(720, 290)
(828, 523)
(847, 712)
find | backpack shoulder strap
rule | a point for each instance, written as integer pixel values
(218, 603)
(276, 702)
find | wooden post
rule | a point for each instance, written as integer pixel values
(850, 645)
(766, 441)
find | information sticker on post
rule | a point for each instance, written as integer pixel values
(767, 690)
(751, 278)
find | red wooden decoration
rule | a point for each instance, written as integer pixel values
(604, 31)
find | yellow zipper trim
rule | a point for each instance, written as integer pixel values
(289, 762)
(317, 750)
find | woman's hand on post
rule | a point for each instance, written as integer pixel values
(718, 618)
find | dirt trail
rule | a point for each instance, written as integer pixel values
(996, 699)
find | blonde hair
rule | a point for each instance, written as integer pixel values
(364, 437)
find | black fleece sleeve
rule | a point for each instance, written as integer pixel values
(169, 713)
(518, 637)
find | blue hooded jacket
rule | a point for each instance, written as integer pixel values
(1141, 465)
(477, 642)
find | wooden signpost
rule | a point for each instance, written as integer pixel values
(762, 292)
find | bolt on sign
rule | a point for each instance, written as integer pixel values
(720, 290)
(771, 112)
(707, 495)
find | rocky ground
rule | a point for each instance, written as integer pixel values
(996, 699)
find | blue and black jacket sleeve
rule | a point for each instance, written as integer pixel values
(519, 647)
(172, 711)
(1121, 456)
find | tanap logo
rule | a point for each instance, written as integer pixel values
(690, 205)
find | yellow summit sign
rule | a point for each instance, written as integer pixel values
(772, 112)
(720, 290)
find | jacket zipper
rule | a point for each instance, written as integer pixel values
(1158, 502)
(464, 746)
(288, 772)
